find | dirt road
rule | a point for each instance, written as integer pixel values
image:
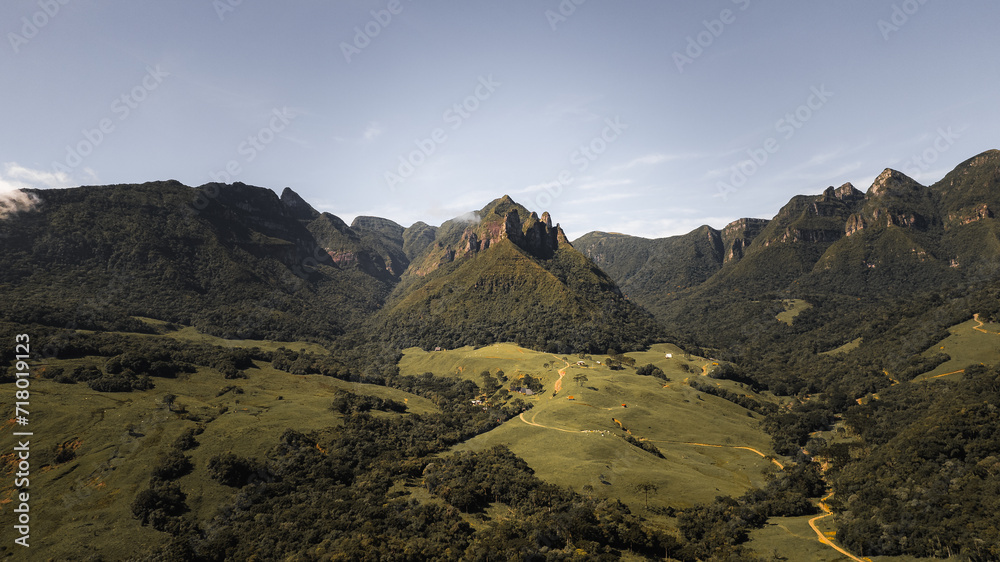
(822, 538)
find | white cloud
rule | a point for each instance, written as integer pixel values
(15, 177)
(372, 132)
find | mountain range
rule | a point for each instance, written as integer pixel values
(896, 239)
(807, 327)
(241, 261)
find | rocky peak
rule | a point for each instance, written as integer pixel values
(891, 181)
(501, 219)
(297, 206)
(848, 193)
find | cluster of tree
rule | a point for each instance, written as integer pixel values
(526, 381)
(346, 402)
(162, 504)
(920, 364)
(925, 481)
(550, 520)
(618, 361)
(235, 471)
(752, 404)
(792, 360)
(492, 383)
(155, 356)
(650, 370)
(790, 428)
(644, 445)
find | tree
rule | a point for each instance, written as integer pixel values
(646, 488)
(580, 379)
(169, 401)
(490, 383)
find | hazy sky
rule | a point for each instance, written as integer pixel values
(646, 117)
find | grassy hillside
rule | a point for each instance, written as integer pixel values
(94, 451)
(969, 343)
(571, 438)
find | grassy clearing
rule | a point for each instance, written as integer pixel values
(847, 347)
(82, 506)
(571, 438)
(791, 538)
(793, 307)
(190, 334)
(966, 345)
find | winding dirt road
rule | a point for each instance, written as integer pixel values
(822, 538)
(979, 328)
(694, 444)
(562, 373)
(535, 424)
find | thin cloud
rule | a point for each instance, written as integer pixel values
(654, 159)
(576, 109)
(372, 132)
(604, 184)
(618, 196)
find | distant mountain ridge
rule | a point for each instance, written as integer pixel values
(898, 236)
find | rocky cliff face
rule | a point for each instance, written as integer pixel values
(374, 247)
(738, 235)
(967, 216)
(895, 199)
(502, 219)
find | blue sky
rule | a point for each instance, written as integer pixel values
(645, 117)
